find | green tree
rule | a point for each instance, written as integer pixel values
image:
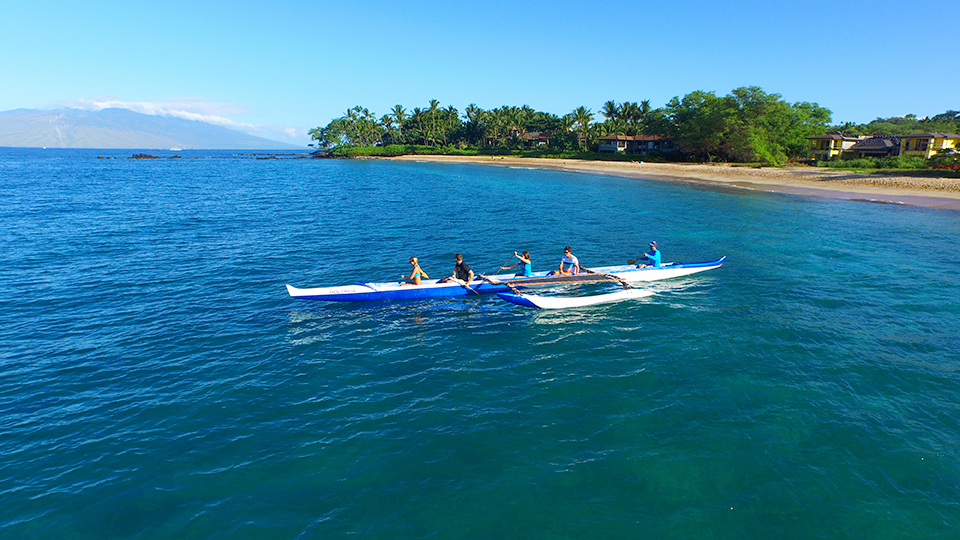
(582, 117)
(748, 125)
(474, 129)
(611, 110)
(399, 115)
(432, 113)
(698, 124)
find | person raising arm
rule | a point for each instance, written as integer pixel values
(527, 269)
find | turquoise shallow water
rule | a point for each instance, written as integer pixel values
(156, 381)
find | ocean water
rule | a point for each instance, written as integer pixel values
(156, 380)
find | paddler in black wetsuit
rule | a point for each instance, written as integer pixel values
(461, 271)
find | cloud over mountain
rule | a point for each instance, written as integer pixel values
(101, 126)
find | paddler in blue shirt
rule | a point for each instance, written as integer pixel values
(527, 269)
(653, 256)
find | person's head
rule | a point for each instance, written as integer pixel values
(567, 250)
(526, 255)
(459, 258)
(413, 260)
(653, 245)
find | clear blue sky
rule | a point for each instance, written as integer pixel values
(275, 66)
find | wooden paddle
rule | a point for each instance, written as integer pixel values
(463, 284)
(502, 265)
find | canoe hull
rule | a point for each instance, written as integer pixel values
(633, 274)
(379, 292)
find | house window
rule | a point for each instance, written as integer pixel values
(922, 144)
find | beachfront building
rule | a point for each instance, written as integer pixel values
(636, 144)
(831, 145)
(536, 139)
(927, 145)
(876, 147)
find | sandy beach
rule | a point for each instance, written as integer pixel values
(941, 193)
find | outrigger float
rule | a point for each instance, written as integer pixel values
(364, 291)
(561, 302)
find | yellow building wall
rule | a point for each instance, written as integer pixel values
(932, 147)
(832, 150)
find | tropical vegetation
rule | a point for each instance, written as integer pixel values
(747, 125)
(948, 122)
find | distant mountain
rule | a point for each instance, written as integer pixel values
(120, 128)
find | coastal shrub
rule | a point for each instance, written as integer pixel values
(393, 150)
(895, 162)
(945, 161)
(563, 142)
(902, 162)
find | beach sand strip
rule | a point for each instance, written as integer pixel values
(930, 192)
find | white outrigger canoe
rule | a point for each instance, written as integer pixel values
(364, 291)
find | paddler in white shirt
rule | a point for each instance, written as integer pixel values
(569, 264)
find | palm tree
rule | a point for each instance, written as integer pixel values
(399, 114)
(434, 105)
(451, 121)
(645, 108)
(367, 127)
(476, 124)
(524, 117)
(386, 122)
(351, 119)
(496, 119)
(582, 118)
(630, 116)
(418, 118)
(611, 110)
(473, 113)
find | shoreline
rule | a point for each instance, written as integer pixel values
(941, 193)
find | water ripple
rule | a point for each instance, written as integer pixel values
(156, 381)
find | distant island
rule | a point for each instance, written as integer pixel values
(121, 128)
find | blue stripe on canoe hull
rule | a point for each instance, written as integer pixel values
(406, 293)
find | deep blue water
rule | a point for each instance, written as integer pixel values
(156, 380)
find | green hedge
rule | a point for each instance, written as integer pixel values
(896, 162)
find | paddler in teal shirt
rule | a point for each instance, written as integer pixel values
(527, 269)
(653, 256)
